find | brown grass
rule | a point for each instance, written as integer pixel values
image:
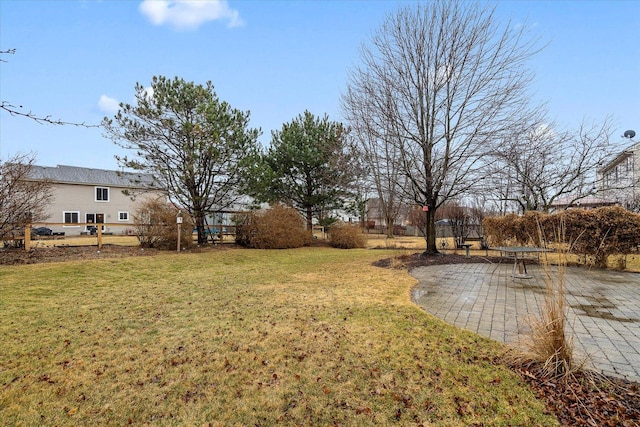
(549, 346)
(86, 241)
(313, 336)
(381, 241)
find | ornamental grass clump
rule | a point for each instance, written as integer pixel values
(347, 236)
(549, 344)
(549, 347)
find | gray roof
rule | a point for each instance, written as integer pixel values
(620, 156)
(88, 176)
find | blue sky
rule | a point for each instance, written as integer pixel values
(75, 59)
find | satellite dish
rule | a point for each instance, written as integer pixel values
(630, 134)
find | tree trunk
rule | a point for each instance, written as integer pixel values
(309, 219)
(199, 220)
(390, 228)
(430, 236)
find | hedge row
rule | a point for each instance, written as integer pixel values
(598, 232)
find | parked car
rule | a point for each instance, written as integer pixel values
(42, 231)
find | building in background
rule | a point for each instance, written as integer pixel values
(83, 198)
(619, 179)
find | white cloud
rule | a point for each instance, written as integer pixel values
(543, 131)
(108, 105)
(148, 92)
(189, 14)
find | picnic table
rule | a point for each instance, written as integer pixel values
(519, 263)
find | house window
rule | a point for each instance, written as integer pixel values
(123, 216)
(102, 194)
(71, 217)
(94, 218)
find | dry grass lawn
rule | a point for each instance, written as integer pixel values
(408, 244)
(235, 337)
(85, 241)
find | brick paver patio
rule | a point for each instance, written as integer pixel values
(603, 307)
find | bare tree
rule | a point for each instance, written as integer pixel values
(381, 155)
(448, 81)
(361, 190)
(458, 218)
(539, 165)
(22, 199)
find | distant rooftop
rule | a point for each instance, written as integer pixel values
(630, 147)
(77, 175)
(584, 202)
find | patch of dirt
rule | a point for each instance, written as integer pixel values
(419, 259)
(578, 399)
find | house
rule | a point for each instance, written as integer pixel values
(84, 196)
(619, 178)
(376, 221)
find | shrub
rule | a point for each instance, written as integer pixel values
(346, 236)
(603, 232)
(278, 227)
(597, 233)
(156, 226)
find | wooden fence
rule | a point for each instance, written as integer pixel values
(24, 239)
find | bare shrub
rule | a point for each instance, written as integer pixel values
(596, 234)
(459, 220)
(23, 199)
(603, 232)
(156, 226)
(347, 236)
(278, 227)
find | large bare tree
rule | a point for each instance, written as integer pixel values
(448, 80)
(22, 199)
(381, 157)
(539, 164)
